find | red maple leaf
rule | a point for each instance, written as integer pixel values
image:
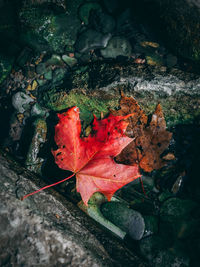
(91, 158)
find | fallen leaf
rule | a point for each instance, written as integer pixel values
(71, 54)
(139, 60)
(20, 117)
(92, 158)
(150, 139)
(151, 44)
(169, 156)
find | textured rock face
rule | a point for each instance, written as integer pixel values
(177, 91)
(29, 235)
(41, 231)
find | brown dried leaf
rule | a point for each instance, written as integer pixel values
(150, 139)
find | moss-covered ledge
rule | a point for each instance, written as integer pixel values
(177, 91)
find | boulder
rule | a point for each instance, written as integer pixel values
(47, 230)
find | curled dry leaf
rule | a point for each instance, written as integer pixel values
(150, 139)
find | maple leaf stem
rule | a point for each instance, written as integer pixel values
(47, 186)
(142, 186)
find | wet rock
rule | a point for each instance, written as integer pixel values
(91, 39)
(127, 219)
(48, 75)
(47, 230)
(70, 61)
(83, 57)
(101, 21)
(16, 128)
(46, 29)
(177, 91)
(6, 63)
(85, 9)
(58, 101)
(117, 46)
(94, 211)
(168, 258)
(54, 60)
(21, 101)
(33, 160)
(41, 68)
(41, 82)
(37, 110)
(58, 75)
(175, 208)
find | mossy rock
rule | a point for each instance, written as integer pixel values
(44, 28)
(88, 104)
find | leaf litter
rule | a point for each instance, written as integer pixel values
(115, 149)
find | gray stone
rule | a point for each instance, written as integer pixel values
(58, 75)
(41, 82)
(91, 39)
(127, 219)
(33, 160)
(117, 46)
(48, 75)
(54, 60)
(41, 68)
(37, 110)
(47, 230)
(70, 61)
(21, 101)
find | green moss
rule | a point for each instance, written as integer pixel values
(43, 28)
(178, 109)
(88, 105)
